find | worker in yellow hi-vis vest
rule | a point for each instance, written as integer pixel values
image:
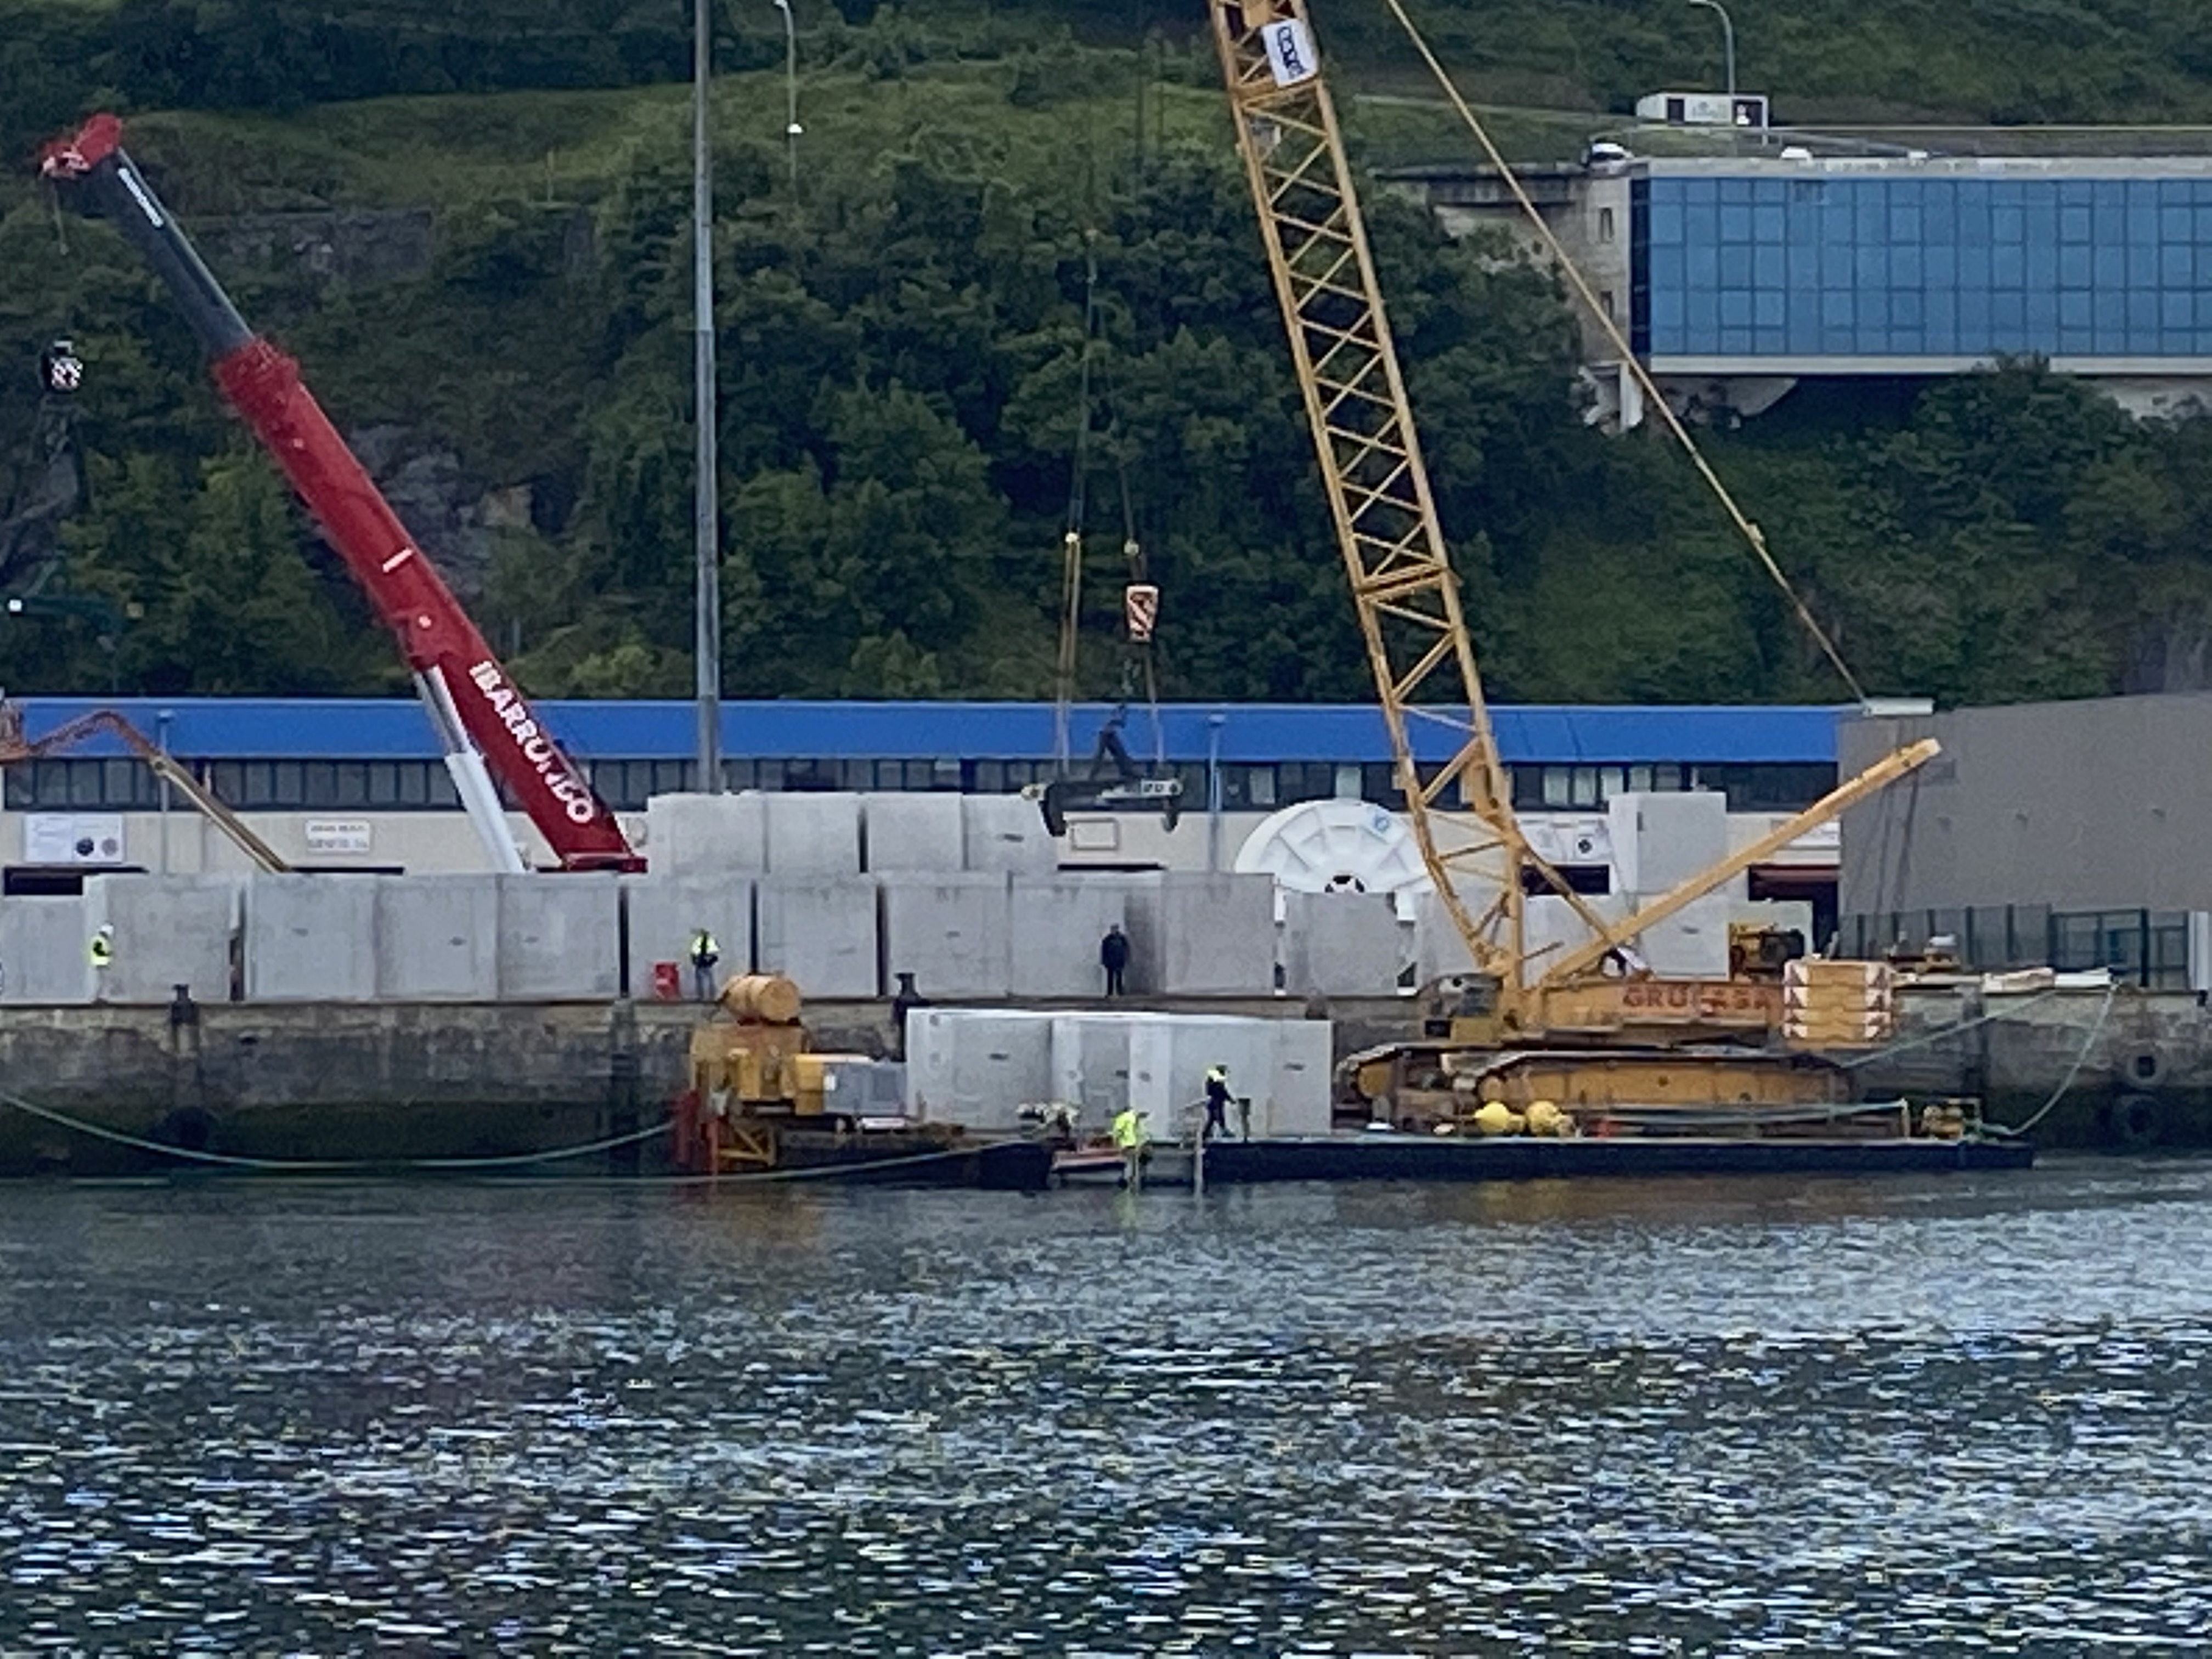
(705, 953)
(1129, 1135)
(101, 953)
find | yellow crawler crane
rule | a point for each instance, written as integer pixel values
(1589, 1027)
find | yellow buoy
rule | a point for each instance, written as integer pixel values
(1494, 1118)
(1543, 1118)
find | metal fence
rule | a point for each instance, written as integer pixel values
(2148, 948)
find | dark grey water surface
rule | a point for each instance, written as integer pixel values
(1739, 1418)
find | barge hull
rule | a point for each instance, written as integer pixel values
(1410, 1157)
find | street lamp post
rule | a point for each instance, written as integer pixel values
(791, 127)
(706, 511)
(1728, 48)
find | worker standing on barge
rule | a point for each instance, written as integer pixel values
(1129, 1136)
(705, 953)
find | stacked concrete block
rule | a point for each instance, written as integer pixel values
(952, 931)
(976, 1067)
(1090, 1065)
(1170, 1056)
(311, 938)
(169, 930)
(1340, 944)
(44, 946)
(913, 832)
(1057, 924)
(813, 837)
(1693, 943)
(437, 938)
(559, 937)
(665, 911)
(1005, 834)
(706, 835)
(1303, 1102)
(1661, 840)
(1202, 935)
(822, 934)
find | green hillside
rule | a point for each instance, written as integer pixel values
(471, 229)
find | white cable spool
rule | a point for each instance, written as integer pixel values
(1335, 847)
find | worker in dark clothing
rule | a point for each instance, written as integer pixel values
(1113, 957)
(705, 953)
(1217, 1102)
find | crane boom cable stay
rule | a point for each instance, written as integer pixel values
(1619, 342)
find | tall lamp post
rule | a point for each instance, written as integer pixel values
(706, 515)
(1728, 48)
(791, 127)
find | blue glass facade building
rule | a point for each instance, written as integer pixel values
(1789, 262)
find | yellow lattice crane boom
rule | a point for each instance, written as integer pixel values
(1458, 802)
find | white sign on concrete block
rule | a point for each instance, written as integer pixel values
(73, 838)
(950, 932)
(821, 934)
(169, 930)
(343, 836)
(310, 939)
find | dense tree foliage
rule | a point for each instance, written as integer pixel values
(900, 343)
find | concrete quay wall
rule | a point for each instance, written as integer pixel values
(392, 1081)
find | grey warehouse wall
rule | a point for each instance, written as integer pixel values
(2098, 805)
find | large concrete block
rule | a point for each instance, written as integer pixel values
(952, 933)
(1340, 944)
(1661, 840)
(813, 837)
(1549, 926)
(1004, 833)
(1693, 943)
(559, 937)
(169, 930)
(1170, 1054)
(311, 938)
(976, 1067)
(1202, 935)
(1058, 923)
(822, 934)
(666, 910)
(43, 945)
(1090, 1064)
(913, 832)
(437, 938)
(1305, 1069)
(706, 835)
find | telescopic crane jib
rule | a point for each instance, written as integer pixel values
(484, 723)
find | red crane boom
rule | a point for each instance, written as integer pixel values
(481, 717)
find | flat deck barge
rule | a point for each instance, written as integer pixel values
(1391, 1156)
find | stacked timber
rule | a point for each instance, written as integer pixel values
(1838, 1005)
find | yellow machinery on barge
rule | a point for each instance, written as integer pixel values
(762, 1101)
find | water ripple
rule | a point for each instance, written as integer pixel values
(1714, 1418)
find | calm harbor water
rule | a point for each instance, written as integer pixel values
(1691, 1417)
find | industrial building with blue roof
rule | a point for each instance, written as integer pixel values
(262, 753)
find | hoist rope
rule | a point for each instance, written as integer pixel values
(1750, 531)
